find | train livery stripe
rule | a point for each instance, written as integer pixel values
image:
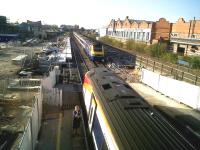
(109, 138)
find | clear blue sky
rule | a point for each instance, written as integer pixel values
(97, 13)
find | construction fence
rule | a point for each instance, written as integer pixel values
(180, 91)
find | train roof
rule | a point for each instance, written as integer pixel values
(135, 124)
(87, 40)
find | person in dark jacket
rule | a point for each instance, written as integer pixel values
(76, 119)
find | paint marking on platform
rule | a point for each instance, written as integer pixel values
(59, 132)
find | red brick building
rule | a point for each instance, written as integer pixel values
(185, 37)
(140, 30)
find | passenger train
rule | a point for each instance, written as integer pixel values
(119, 119)
(94, 50)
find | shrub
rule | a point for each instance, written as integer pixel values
(195, 62)
(170, 57)
(156, 50)
(112, 42)
(132, 45)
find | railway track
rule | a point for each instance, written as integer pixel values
(118, 61)
(123, 70)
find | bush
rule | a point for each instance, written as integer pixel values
(195, 62)
(171, 57)
(106, 40)
(117, 43)
(185, 58)
(156, 50)
(132, 45)
(112, 42)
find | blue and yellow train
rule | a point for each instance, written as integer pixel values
(94, 50)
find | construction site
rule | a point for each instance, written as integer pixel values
(22, 70)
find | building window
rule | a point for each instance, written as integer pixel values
(131, 34)
(138, 35)
(193, 36)
(134, 35)
(143, 35)
(174, 34)
(147, 36)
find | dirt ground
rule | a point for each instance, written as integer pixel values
(7, 69)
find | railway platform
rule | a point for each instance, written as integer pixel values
(56, 132)
(184, 118)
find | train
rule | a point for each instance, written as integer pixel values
(120, 119)
(94, 50)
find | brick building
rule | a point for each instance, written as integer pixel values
(185, 37)
(161, 30)
(140, 30)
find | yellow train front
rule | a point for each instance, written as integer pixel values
(96, 52)
(93, 49)
(119, 119)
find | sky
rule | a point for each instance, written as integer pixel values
(97, 13)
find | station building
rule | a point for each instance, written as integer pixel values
(185, 37)
(140, 30)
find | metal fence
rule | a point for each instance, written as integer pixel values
(175, 71)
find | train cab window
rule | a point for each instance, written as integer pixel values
(97, 48)
(106, 86)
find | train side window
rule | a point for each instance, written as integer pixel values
(91, 108)
(90, 117)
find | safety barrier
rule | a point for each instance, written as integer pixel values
(180, 91)
(51, 95)
(175, 71)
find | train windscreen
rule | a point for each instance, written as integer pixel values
(97, 47)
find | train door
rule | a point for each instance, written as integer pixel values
(92, 110)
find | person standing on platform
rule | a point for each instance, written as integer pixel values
(76, 119)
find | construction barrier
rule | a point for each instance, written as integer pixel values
(28, 139)
(180, 91)
(51, 95)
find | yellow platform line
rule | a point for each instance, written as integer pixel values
(59, 132)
